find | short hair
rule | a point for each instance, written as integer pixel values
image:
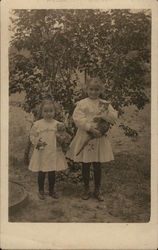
(95, 81)
(45, 102)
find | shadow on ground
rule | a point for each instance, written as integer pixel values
(125, 200)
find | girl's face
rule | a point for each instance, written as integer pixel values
(93, 91)
(48, 112)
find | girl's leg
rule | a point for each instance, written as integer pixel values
(41, 179)
(51, 181)
(86, 177)
(97, 180)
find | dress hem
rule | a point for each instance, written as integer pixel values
(47, 170)
(88, 161)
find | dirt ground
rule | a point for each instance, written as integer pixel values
(125, 182)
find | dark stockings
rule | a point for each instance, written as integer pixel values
(86, 174)
(41, 180)
(97, 174)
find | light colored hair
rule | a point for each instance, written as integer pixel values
(45, 102)
(94, 81)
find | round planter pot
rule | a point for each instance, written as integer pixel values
(17, 196)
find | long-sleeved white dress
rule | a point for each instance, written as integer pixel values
(98, 149)
(51, 158)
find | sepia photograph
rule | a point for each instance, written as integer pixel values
(79, 124)
(79, 115)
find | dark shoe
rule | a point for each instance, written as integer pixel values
(98, 196)
(86, 195)
(41, 195)
(54, 195)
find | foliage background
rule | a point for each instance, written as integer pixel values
(51, 53)
(114, 44)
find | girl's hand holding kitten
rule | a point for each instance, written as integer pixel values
(60, 127)
(94, 132)
(102, 116)
(41, 144)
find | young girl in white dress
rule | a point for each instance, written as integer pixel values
(98, 150)
(47, 157)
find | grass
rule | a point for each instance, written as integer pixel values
(125, 181)
(127, 185)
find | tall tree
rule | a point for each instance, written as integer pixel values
(114, 44)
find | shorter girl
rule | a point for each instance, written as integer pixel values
(97, 149)
(47, 157)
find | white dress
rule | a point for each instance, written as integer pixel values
(99, 149)
(51, 158)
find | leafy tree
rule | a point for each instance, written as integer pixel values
(114, 44)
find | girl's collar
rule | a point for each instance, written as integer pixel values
(52, 120)
(94, 100)
(99, 100)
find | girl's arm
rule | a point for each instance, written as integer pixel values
(60, 126)
(62, 136)
(80, 118)
(110, 115)
(34, 135)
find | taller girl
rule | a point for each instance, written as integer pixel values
(98, 150)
